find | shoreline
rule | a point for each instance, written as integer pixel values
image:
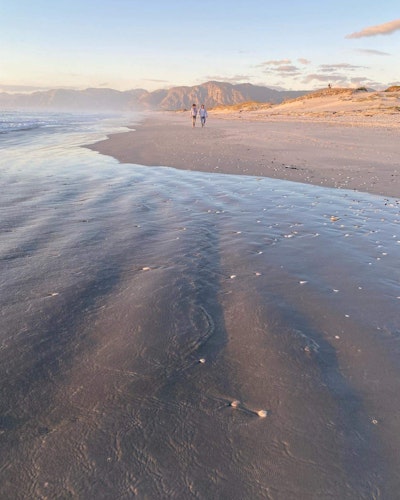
(337, 155)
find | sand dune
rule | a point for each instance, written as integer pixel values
(337, 105)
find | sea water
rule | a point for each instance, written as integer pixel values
(173, 334)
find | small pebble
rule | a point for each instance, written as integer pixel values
(235, 403)
(146, 268)
(262, 413)
(202, 360)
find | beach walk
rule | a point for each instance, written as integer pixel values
(352, 152)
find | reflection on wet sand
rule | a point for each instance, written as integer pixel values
(174, 334)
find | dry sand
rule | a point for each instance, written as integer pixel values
(355, 151)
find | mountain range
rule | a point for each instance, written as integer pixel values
(176, 98)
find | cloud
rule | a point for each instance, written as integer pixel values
(322, 78)
(326, 68)
(281, 67)
(359, 81)
(380, 29)
(154, 80)
(340, 80)
(336, 73)
(287, 69)
(303, 61)
(277, 62)
(374, 52)
(233, 79)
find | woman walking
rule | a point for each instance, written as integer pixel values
(203, 115)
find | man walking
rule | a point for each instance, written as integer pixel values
(193, 113)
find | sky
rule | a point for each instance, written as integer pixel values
(157, 44)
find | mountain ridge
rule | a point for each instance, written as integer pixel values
(211, 93)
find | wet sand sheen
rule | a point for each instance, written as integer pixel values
(138, 304)
(123, 295)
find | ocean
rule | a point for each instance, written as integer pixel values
(176, 334)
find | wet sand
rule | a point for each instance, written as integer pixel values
(138, 303)
(350, 155)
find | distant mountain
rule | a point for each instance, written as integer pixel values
(71, 100)
(209, 93)
(219, 93)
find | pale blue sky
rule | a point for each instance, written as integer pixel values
(153, 44)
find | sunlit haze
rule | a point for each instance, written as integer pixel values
(127, 44)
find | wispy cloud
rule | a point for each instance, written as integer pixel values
(373, 52)
(154, 80)
(380, 29)
(287, 69)
(339, 80)
(233, 79)
(322, 78)
(304, 71)
(326, 68)
(276, 62)
(280, 67)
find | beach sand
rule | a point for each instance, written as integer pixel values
(347, 153)
(175, 334)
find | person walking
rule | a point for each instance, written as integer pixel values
(203, 115)
(193, 114)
